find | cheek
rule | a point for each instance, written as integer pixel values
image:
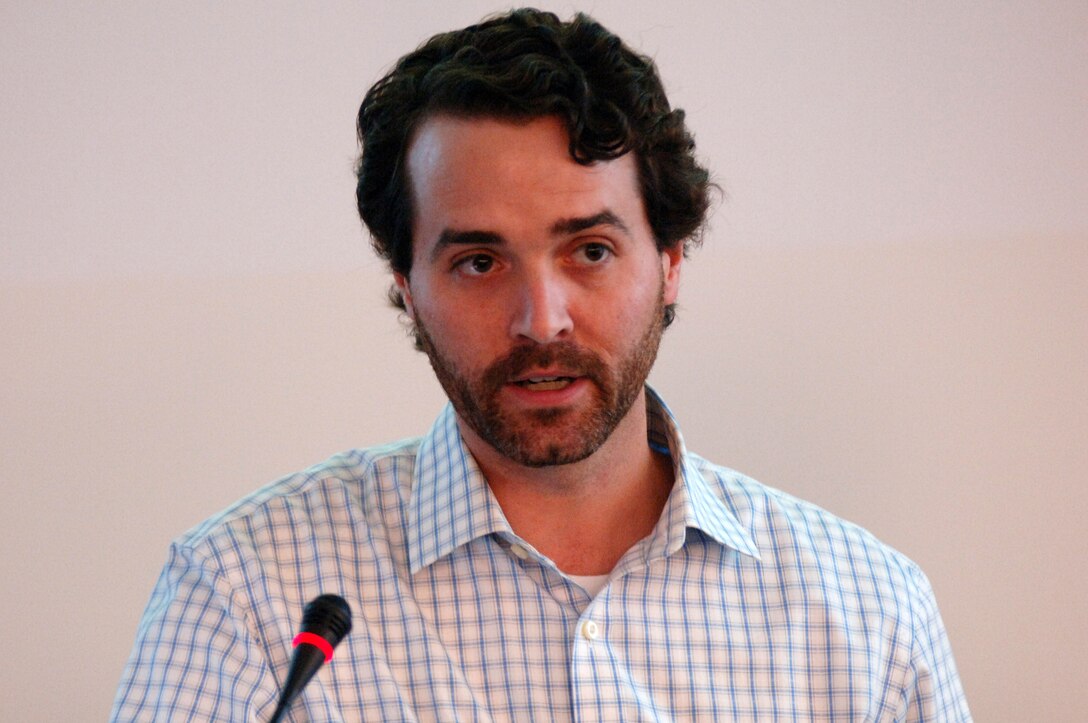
(463, 332)
(622, 320)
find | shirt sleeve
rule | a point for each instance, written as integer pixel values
(936, 694)
(197, 655)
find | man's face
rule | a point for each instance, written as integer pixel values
(536, 287)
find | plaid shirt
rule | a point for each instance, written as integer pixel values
(743, 604)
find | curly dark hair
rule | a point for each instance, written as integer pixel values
(522, 65)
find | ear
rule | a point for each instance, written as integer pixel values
(671, 259)
(401, 282)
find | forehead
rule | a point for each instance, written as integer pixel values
(445, 136)
(480, 173)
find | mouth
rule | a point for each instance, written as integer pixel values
(545, 383)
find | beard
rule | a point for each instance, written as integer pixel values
(552, 436)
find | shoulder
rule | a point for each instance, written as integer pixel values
(866, 594)
(287, 539)
(831, 555)
(343, 487)
(226, 604)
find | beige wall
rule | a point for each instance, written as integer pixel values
(889, 316)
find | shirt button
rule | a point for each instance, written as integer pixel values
(519, 552)
(590, 630)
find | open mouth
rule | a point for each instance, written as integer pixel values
(545, 384)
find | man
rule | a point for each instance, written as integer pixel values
(549, 550)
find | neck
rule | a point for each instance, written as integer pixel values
(584, 515)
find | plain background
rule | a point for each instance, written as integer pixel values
(888, 317)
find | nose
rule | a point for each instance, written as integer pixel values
(541, 311)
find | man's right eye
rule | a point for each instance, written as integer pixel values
(476, 264)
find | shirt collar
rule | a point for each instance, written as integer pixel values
(451, 503)
(695, 502)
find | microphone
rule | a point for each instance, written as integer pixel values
(325, 621)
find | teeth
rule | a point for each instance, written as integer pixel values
(545, 384)
(549, 386)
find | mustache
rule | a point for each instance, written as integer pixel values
(568, 355)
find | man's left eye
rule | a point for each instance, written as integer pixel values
(594, 253)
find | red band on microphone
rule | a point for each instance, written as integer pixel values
(315, 640)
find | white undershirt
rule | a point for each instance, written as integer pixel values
(591, 583)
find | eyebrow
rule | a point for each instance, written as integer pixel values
(564, 226)
(449, 237)
(581, 223)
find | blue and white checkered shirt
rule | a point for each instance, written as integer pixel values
(743, 604)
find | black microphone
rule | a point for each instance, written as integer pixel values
(325, 621)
